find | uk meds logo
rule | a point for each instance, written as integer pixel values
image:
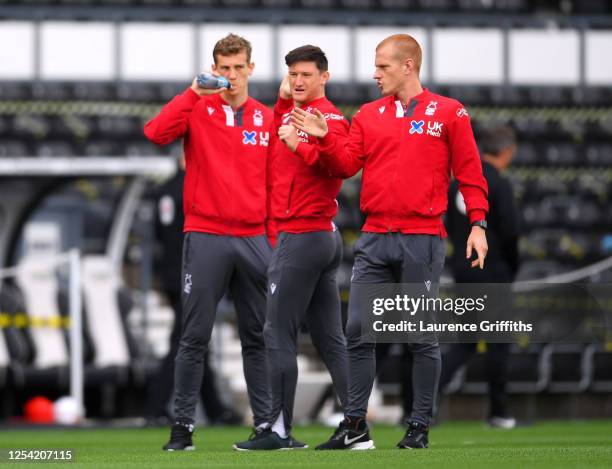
(416, 127)
(434, 128)
(249, 138)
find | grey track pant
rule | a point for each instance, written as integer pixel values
(211, 265)
(392, 258)
(302, 288)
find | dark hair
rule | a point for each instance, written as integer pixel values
(307, 53)
(230, 45)
(497, 139)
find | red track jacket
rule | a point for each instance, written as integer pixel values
(227, 156)
(303, 194)
(407, 156)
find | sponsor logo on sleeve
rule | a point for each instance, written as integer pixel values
(461, 112)
(330, 116)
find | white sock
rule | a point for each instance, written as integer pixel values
(279, 426)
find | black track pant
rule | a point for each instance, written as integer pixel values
(392, 258)
(302, 288)
(211, 265)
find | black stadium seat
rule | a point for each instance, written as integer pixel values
(101, 148)
(598, 154)
(562, 154)
(14, 149)
(55, 149)
(527, 155)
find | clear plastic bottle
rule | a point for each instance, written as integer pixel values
(209, 81)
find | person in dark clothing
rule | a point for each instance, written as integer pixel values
(169, 234)
(498, 148)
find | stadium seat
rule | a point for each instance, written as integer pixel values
(398, 4)
(117, 126)
(507, 96)
(101, 148)
(545, 185)
(238, 3)
(602, 369)
(61, 149)
(49, 357)
(527, 155)
(440, 5)
(143, 148)
(548, 95)
(530, 126)
(31, 126)
(598, 154)
(562, 154)
(136, 91)
(51, 91)
(528, 369)
(72, 126)
(540, 269)
(277, 3)
(358, 4)
(318, 4)
(86, 91)
(470, 95)
(571, 368)
(14, 149)
(14, 91)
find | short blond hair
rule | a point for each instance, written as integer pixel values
(230, 45)
(405, 47)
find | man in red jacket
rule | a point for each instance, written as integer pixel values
(302, 285)
(407, 144)
(226, 138)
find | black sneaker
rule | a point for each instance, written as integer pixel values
(350, 434)
(416, 437)
(180, 438)
(266, 439)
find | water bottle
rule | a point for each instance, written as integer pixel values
(209, 81)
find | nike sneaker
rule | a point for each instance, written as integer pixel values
(352, 433)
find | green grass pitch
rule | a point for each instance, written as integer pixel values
(453, 445)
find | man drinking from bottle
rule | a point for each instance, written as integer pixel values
(226, 137)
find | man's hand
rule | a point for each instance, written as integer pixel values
(288, 136)
(312, 124)
(284, 91)
(204, 92)
(477, 241)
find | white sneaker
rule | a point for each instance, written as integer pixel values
(507, 423)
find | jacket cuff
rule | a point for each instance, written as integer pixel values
(477, 214)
